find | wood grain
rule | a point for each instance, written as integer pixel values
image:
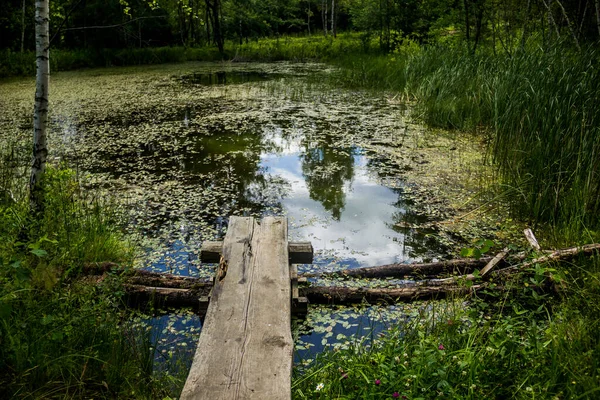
(245, 348)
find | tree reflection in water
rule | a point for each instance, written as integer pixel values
(326, 168)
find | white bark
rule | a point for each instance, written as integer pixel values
(333, 17)
(40, 114)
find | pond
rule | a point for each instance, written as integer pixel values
(183, 147)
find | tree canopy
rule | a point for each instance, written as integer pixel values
(148, 23)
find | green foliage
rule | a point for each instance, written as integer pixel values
(480, 247)
(59, 336)
(535, 107)
(514, 345)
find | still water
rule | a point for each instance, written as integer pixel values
(183, 147)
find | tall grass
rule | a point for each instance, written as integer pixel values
(516, 346)
(537, 107)
(61, 337)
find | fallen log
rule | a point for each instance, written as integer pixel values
(557, 255)
(353, 295)
(471, 277)
(421, 270)
(140, 296)
(157, 279)
(456, 266)
(143, 296)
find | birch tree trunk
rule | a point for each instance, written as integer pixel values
(324, 15)
(40, 113)
(333, 18)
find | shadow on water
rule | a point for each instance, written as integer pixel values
(227, 77)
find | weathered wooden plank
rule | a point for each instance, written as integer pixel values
(245, 348)
(300, 252)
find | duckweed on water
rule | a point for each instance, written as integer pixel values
(180, 155)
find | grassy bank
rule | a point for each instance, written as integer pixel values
(61, 337)
(278, 49)
(537, 108)
(523, 345)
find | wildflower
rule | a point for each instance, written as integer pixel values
(344, 376)
(441, 347)
(464, 372)
(397, 359)
(529, 389)
(405, 363)
(377, 382)
(454, 357)
(395, 395)
(405, 355)
(473, 386)
(319, 387)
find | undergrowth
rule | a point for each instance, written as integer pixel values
(522, 344)
(59, 336)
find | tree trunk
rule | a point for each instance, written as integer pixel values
(217, 34)
(573, 34)
(467, 24)
(551, 20)
(193, 22)
(597, 3)
(208, 22)
(333, 31)
(23, 29)
(525, 25)
(40, 113)
(478, 23)
(324, 15)
(308, 16)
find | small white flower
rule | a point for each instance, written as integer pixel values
(319, 387)
(529, 389)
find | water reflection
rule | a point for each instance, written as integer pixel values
(327, 170)
(226, 77)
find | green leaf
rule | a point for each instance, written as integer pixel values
(39, 252)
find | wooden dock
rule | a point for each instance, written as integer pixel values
(245, 347)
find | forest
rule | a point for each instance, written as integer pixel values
(135, 24)
(442, 157)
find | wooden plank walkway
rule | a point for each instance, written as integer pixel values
(245, 347)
